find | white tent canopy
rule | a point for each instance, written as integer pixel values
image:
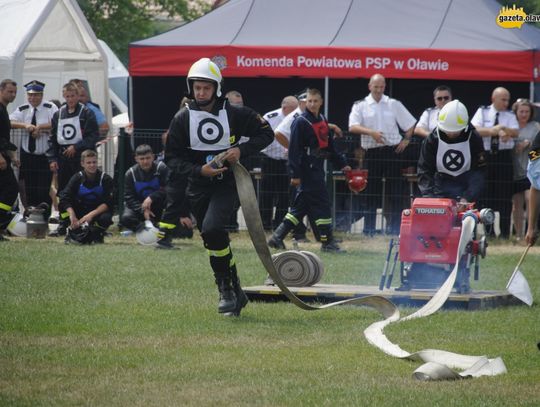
(51, 41)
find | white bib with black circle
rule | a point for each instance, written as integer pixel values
(69, 129)
(208, 132)
(454, 159)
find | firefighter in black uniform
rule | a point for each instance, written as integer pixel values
(144, 189)
(452, 161)
(87, 202)
(9, 187)
(74, 130)
(311, 143)
(207, 126)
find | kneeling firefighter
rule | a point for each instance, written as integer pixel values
(204, 128)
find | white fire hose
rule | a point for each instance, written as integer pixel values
(438, 363)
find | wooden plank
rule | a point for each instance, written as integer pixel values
(325, 293)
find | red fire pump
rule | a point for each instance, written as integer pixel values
(429, 240)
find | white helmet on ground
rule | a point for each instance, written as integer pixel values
(17, 226)
(147, 235)
(453, 117)
(205, 70)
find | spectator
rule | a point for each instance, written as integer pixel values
(74, 130)
(275, 179)
(197, 134)
(498, 128)
(8, 93)
(87, 202)
(533, 173)
(428, 120)
(35, 118)
(452, 161)
(528, 128)
(235, 98)
(144, 190)
(84, 98)
(311, 143)
(378, 120)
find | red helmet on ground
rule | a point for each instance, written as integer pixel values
(357, 180)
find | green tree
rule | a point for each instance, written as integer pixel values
(119, 22)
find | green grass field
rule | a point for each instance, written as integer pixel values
(120, 324)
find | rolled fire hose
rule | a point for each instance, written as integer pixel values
(298, 268)
(438, 363)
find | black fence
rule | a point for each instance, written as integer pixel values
(375, 210)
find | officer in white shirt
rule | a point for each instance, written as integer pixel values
(378, 119)
(428, 120)
(275, 180)
(34, 118)
(498, 128)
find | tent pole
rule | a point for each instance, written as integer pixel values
(531, 91)
(130, 98)
(327, 96)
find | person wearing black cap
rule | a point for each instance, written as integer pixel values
(34, 118)
(200, 131)
(74, 129)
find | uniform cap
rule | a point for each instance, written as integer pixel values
(302, 96)
(34, 87)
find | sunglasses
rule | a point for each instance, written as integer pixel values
(441, 98)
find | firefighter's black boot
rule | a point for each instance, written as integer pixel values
(329, 244)
(227, 297)
(241, 297)
(276, 241)
(164, 239)
(96, 234)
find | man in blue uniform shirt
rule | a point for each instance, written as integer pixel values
(311, 143)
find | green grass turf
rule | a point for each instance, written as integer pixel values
(121, 324)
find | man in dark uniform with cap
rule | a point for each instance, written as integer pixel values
(35, 119)
(74, 130)
(204, 128)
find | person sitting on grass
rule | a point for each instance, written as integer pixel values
(87, 201)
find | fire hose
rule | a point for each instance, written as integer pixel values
(438, 363)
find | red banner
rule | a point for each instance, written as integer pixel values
(315, 62)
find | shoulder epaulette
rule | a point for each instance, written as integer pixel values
(270, 115)
(24, 107)
(47, 105)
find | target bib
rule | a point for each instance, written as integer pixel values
(208, 132)
(454, 159)
(69, 129)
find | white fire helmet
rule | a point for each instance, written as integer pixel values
(453, 117)
(206, 70)
(17, 226)
(147, 235)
